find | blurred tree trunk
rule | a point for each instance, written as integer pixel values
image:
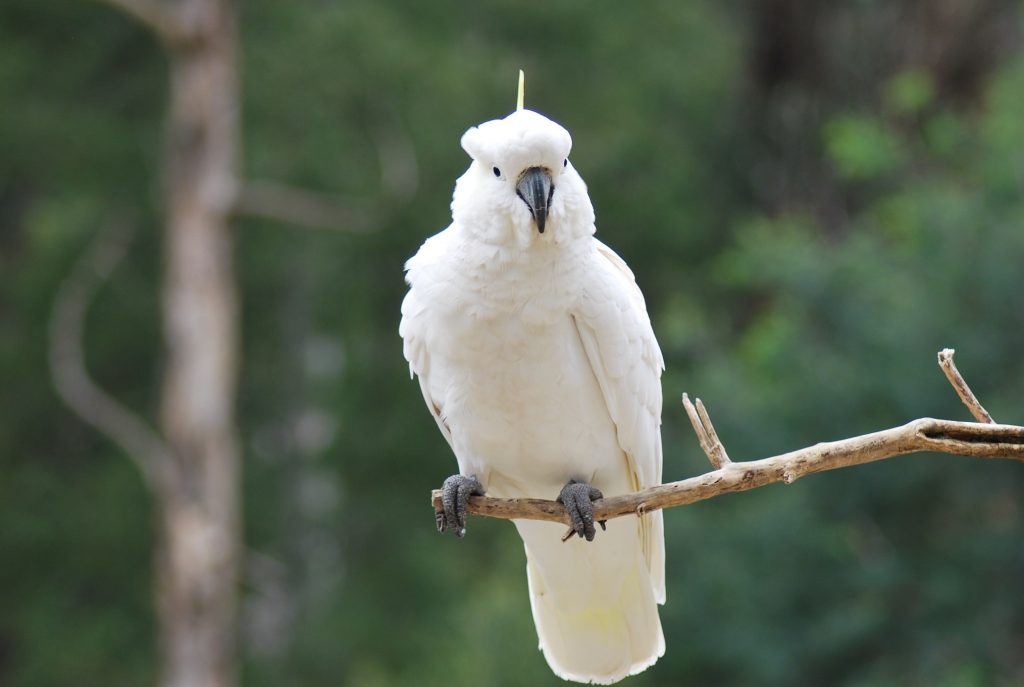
(197, 558)
(193, 466)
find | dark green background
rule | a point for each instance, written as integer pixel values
(815, 197)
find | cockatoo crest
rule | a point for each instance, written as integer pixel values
(523, 139)
(511, 156)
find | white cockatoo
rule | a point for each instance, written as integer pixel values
(536, 357)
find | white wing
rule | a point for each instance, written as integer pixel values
(415, 327)
(616, 332)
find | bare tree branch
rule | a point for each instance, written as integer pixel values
(67, 361)
(284, 203)
(978, 440)
(155, 15)
(706, 434)
(399, 178)
(962, 390)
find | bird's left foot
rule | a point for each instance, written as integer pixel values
(455, 493)
(577, 497)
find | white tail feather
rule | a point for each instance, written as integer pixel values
(593, 603)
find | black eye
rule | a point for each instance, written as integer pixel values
(497, 172)
(565, 162)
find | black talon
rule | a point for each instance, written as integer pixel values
(577, 497)
(455, 493)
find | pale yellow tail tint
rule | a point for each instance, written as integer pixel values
(522, 91)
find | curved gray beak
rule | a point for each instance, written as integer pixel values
(536, 190)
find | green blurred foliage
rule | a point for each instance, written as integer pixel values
(808, 230)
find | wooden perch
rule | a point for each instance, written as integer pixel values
(975, 439)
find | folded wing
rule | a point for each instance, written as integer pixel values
(616, 332)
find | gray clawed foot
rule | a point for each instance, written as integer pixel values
(577, 497)
(455, 493)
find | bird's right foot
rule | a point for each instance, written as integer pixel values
(455, 493)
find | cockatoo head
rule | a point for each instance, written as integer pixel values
(521, 185)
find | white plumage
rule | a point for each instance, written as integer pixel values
(536, 357)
